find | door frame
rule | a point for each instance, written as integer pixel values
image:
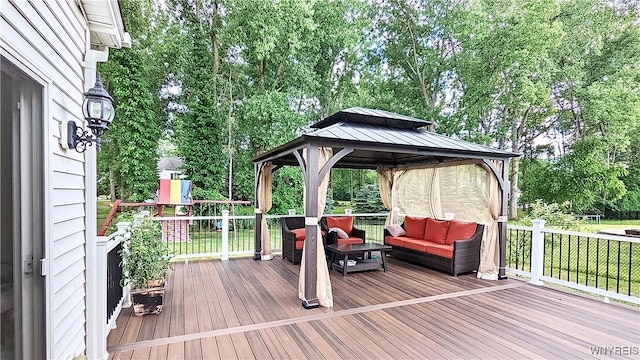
(40, 83)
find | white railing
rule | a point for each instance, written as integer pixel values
(605, 265)
(113, 296)
(194, 237)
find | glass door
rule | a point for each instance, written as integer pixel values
(21, 215)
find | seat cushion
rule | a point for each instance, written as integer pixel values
(460, 230)
(414, 226)
(436, 231)
(299, 244)
(416, 244)
(300, 233)
(343, 222)
(440, 250)
(350, 241)
(394, 240)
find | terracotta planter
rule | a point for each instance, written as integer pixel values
(148, 300)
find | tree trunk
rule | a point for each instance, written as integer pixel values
(112, 185)
(513, 175)
(214, 45)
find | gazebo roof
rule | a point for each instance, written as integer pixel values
(381, 138)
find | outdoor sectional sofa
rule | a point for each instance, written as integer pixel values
(451, 246)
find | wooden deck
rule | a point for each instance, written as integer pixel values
(246, 309)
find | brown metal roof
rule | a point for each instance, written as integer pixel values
(381, 139)
(360, 115)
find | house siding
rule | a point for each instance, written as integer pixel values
(49, 38)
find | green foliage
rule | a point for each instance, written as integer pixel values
(630, 201)
(367, 200)
(345, 182)
(554, 214)
(498, 72)
(144, 255)
(128, 160)
(287, 191)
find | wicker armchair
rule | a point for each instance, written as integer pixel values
(357, 235)
(290, 251)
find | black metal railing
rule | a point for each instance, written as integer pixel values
(518, 252)
(604, 264)
(114, 280)
(598, 262)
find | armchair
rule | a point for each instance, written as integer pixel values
(340, 230)
(293, 234)
(292, 238)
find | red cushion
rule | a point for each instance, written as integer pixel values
(414, 227)
(440, 250)
(299, 233)
(351, 240)
(460, 230)
(436, 230)
(299, 244)
(416, 244)
(394, 241)
(343, 222)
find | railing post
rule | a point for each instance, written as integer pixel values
(225, 235)
(348, 211)
(537, 252)
(100, 307)
(123, 227)
(292, 212)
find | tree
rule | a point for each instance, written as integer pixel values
(504, 75)
(128, 157)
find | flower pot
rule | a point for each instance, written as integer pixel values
(148, 300)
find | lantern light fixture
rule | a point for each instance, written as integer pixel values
(97, 109)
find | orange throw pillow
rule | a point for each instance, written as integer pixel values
(414, 226)
(343, 222)
(460, 230)
(436, 230)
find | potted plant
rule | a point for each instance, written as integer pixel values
(144, 265)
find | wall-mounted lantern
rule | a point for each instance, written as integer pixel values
(97, 109)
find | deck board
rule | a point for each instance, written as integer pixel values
(246, 309)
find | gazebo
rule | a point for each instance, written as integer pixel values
(392, 144)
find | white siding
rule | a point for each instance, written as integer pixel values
(49, 36)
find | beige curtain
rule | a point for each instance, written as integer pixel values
(466, 188)
(264, 198)
(323, 282)
(435, 201)
(385, 184)
(490, 256)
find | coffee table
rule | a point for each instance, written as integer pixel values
(366, 264)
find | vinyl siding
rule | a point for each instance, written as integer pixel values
(50, 35)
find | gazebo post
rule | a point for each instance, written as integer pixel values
(257, 229)
(502, 224)
(311, 228)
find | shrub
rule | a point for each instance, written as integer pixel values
(367, 200)
(554, 214)
(144, 256)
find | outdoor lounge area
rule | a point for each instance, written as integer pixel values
(245, 309)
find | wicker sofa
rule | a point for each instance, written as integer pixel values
(449, 246)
